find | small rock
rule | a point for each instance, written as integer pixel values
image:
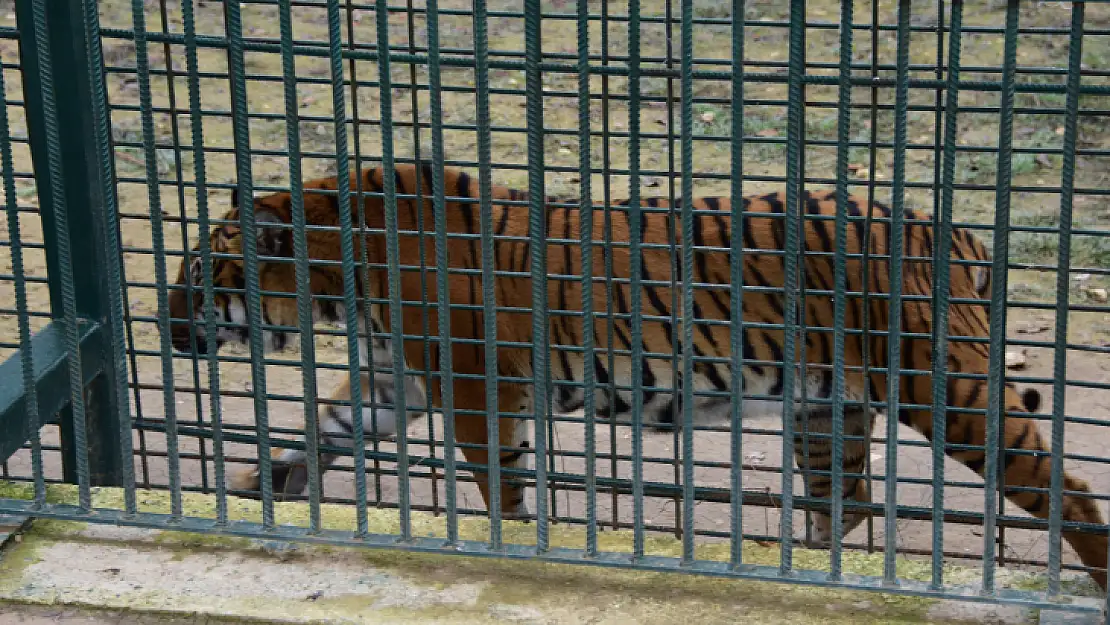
(767, 132)
(1082, 277)
(1032, 327)
(754, 457)
(1015, 359)
(1098, 294)
(708, 117)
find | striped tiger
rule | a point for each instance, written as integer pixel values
(763, 232)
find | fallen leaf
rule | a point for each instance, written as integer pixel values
(1032, 327)
(754, 457)
(767, 132)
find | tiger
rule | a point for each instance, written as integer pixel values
(763, 270)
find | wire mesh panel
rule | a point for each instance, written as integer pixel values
(557, 232)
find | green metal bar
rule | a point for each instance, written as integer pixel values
(347, 252)
(653, 564)
(586, 229)
(300, 253)
(843, 127)
(157, 235)
(489, 301)
(171, 76)
(999, 279)
(32, 419)
(122, 470)
(736, 290)
(537, 221)
(607, 237)
(447, 391)
(1063, 286)
(74, 428)
(793, 249)
(460, 59)
(688, 319)
(894, 325)
(234, 27)
(636, 268)
(941, 287)
(393, 254)
(46, 371)
(78, 227)
(200, 173)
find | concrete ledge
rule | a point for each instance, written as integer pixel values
(151, 571)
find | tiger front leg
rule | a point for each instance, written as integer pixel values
(289, 473)
(813, 452)
(473, 437)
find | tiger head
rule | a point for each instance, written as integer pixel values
(229, 304)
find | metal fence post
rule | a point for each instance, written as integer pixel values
(91, 245)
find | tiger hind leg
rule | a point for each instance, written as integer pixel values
(813, 453)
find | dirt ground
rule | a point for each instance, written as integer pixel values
(1036, 171)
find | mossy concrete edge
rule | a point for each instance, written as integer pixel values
(454, 588)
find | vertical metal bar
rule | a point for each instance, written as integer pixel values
(59, 206)
(301, 268)
(586, 230)
(995, 406)
(941, 268)
(793, 249)
(674, 267)
(843, 136)
(393, 261)
(1063, 269)
(868, 224)
(179, 179)
(421, 227)
(113, 266)
(537, 220)
(196, 125)
(20, 287)
(157, 235)
(364, 264)
(237, 71)
(688, 279)
(82, 270)
(894, 327)
(607, 198)
(736, 291)
(489, 301)
(634, 220)
(447, 391)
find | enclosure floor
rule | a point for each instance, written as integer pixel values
(52, 572)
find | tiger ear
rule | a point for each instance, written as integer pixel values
(271, 237)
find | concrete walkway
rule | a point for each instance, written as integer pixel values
(136, 576)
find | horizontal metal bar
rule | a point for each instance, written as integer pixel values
(51, 371)
(248, 529)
